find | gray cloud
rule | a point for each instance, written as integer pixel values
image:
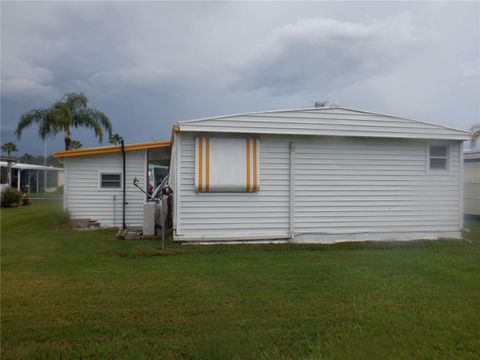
(328, 53)
(149, 64)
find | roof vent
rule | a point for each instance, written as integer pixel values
(321, 104)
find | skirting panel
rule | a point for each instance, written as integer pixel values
(322, 238)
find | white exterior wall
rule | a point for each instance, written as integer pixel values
(324, 122)
(84, 198)
(222, 215)
(342, 189)
(472, 187)
(360, 186)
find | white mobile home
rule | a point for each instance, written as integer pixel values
(471, 177)
(99, 181)
(316, 175)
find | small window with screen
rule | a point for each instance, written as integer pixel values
(110, 181)
(438, 157)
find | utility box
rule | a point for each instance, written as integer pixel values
(149, 219)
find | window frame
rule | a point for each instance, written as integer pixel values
(113, 172)
(446, 157)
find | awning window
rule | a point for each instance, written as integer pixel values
(226, 164)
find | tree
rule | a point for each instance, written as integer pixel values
(71, 111)
(76, 144)
(9, 148)
(475, 129)
(27, 158)
(115, 139)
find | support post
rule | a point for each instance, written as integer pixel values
(19, 179)
(45, 165)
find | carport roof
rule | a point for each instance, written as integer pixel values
(112, 149)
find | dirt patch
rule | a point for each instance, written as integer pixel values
(149, 251)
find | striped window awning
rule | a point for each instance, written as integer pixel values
(226, 164)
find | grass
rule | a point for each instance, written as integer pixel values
(83, 294)
(48, 195)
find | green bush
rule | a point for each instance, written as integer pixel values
(63, 219)
(11, 197)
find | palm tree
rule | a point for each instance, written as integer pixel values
(115, 139)
(475, 129)
(71, 111)
(76, 144)
(9, 148)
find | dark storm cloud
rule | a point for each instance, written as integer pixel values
(148, 65)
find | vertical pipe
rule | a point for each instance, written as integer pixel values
(124, 225)
(177, 143)
(37, 182)
(292, 189)
(461, 186)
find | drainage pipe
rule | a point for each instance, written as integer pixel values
(124, 203)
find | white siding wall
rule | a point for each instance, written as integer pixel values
(471, 190)
(324, 121)
(341, 186)
(84, 198)
(236, 214)
(348, 185)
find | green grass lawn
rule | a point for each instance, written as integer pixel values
(83, 294)
(49, 195)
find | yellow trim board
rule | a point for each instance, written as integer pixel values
(112, 149)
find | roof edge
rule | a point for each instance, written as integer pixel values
(187, 122)
(453, 136)
(112, 149)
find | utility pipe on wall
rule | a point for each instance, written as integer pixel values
(124, 203)
(292, 189)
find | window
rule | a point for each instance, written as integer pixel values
(52, 179)
(227, 164)
(438, 157)
(110, 181)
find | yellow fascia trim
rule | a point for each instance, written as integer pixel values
(112, 149)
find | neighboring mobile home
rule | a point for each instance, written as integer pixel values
(472, 182)
(30, 178)
(316, 175)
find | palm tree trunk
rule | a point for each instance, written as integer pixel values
(68, 140)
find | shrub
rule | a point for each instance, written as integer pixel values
(11, 197)
(63, 219)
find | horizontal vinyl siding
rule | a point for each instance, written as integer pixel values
(237, 214)
(471, 188)
(84, 199)
(323, 121)
(347, 185)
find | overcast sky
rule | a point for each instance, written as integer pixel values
(148, 65)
